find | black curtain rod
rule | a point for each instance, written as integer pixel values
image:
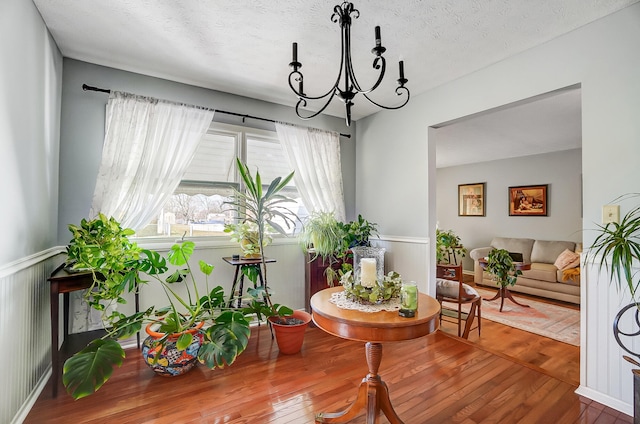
(86, 87)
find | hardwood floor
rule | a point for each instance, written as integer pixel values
(560, 360)
(435, 379)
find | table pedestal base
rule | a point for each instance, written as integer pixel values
(504, 293)
(373, 394)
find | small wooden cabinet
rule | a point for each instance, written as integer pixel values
(315, 279)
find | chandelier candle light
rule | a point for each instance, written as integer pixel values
(342, 14)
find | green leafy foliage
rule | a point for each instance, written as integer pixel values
(225, 340)
(358, 232)
(449, 247)
(102, 246)
(263, 209)
(251, 272)
(618, 246)
(247, 236)
(325, 234)
(500, 265)
(89, 369)
(330, 240)
(184, 316)
(387, 289)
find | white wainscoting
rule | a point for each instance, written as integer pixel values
(285, 276)
(25, 315)
(407, 256)
(604, 376)
(25, 331)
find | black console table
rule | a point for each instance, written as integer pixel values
(239, 264)
(64, 282)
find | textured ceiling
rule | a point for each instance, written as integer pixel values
(244, 46)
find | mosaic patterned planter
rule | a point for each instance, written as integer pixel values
(170, 362)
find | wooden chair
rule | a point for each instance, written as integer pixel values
(451, 289)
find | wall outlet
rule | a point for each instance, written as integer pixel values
(611, 213)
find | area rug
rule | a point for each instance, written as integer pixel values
(548, 320)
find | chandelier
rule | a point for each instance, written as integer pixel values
(346, 86)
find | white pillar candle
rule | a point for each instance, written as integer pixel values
(368, 272)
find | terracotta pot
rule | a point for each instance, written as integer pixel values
(171, 362)
(291, 337)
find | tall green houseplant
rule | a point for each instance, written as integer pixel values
(264, 208)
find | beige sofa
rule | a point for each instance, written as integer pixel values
(544, 278)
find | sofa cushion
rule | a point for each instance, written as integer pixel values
(515, 245)
(450, 289)
(567, 259)
(546, 251)
(542, 271)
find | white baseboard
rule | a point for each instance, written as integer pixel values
(606, 400)
(33, 397)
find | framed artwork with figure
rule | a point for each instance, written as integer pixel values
(528, 200)
(471, 199)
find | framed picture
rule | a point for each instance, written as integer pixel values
(528, 200)
(471, 199)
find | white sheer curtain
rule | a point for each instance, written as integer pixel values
(315, 157)
(148, 145)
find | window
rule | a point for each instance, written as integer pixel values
(197, 207)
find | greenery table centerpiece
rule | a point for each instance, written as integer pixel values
(386, 289)
(366, 283)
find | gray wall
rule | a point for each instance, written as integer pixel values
(562, 171)
(30, 86)
(82, 129)
(603, 57)
(30, 89)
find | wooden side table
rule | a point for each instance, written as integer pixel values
(63, 282)
(239, 264)
(504, 292)
(373, 329)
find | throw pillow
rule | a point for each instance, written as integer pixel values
(567, 259)
(449, 288)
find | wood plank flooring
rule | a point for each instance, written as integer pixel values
(435, 379)
(561, 360)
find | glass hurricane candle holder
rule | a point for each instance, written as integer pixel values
(368, 265)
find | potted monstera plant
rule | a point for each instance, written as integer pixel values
(189, 328)
(265, 207)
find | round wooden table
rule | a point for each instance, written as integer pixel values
(373, 328)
